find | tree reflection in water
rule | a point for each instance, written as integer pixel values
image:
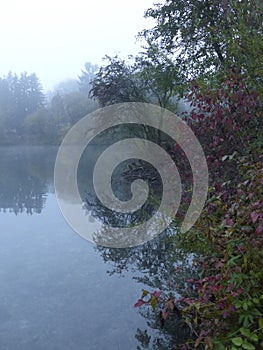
(156, 264)
(25, 178)
(159, 265)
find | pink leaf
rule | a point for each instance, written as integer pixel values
(165, 315)
(229, 222)
(139, 303)
(219, 264)
(259, 228)
(191, 280)
(157, 293)
(254, 216)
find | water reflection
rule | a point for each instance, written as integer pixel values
(157, 264)
(25, 177)
(84, 177)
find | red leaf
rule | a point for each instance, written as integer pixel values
(157, 293)
(219, 113)
(139, 303)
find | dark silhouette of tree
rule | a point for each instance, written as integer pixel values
(160, 75)
(116, 83)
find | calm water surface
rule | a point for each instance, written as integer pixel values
(56, 292)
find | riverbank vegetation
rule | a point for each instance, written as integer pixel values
(209, 53)
(220, 47)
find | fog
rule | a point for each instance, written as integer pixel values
(54, 39)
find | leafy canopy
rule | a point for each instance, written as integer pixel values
(210, 36)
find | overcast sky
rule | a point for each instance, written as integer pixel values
(54, 38)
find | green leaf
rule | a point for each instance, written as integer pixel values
(219, 346)
(144, 293)
(232, 261)
(248, 346)
(153, 302)
(238, 304)
(260, 323)
(245, 307)
(237, 341)
(246, 321)
(251, 318)
(256, 301)
(245, 332)
(253, 337)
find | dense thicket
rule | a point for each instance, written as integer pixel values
(217, 49)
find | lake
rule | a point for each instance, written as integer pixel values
(59, 291)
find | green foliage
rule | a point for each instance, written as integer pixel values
(116, 83)
(20, 96)
(77, 105)
(26, 118)
(159, 73)
(229, 307)
(210, 38)
(220, 44)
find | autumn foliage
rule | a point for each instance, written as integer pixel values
(226, 306)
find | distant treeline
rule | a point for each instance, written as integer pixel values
(28, 116)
